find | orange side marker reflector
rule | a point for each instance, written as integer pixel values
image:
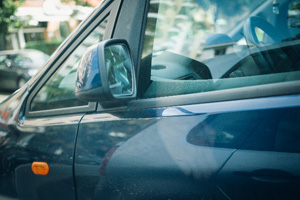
(40, 168)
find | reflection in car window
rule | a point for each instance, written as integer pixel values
(227, 130)
(278, 131)
(59, 91)
(262, 130)
(241, 43)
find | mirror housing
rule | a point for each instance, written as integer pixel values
(106, 73)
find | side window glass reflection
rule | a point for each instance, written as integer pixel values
(240, 43)
(264, 130)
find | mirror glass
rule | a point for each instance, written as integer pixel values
(119, 70)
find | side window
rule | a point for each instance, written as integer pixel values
(59, 90)
(198, 46)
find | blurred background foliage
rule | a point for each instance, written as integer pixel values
(78, 2)
(48, 47)
(40, 24)
(8, 18)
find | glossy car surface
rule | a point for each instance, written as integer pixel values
(212, 112)
(18, 66)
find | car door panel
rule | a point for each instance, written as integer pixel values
(98, 136)
(131, 152)
(267, 165)
(261, 175)
(174, 152)
(24, 141)
(49, 140)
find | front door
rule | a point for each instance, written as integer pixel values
(205, 89)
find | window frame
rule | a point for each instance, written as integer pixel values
(109, 10)
(243, 93)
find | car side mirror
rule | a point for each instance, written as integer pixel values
(106, 73)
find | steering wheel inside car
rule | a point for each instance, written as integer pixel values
(257, 22)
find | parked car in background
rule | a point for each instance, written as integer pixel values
(162, 99)
(18, 66)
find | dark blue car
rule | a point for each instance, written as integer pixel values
(162, 99)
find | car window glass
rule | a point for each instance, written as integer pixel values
(59, 90)
(206, 45)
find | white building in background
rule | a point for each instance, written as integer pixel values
(46, 20)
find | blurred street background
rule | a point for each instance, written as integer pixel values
(38, 25)
(3, 95)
